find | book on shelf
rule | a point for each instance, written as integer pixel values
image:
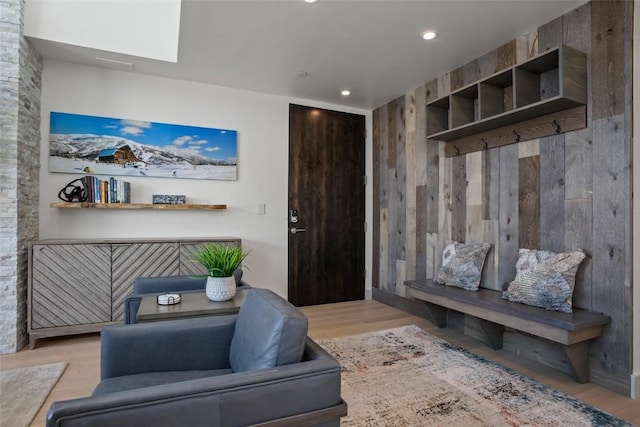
(109, 190)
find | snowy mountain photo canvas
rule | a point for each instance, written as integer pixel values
(109, 146)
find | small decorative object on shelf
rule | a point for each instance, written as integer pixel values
(169, 199)
(169, 299)
(74, 191)
(220, 261)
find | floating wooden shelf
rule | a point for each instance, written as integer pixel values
(496, 107)
(87, 205)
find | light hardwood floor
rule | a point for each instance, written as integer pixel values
(326, 321)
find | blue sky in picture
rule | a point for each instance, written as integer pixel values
(208, 142)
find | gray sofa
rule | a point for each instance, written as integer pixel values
(160, 285)
(256, 367)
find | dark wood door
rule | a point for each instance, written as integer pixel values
(327, 195)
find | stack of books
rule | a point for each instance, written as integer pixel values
(106, 191)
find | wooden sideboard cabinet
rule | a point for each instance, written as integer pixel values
(79, 286)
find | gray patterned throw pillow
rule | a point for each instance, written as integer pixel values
(545, 279)
(462, 265)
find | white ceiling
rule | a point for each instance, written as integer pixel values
(372, 48)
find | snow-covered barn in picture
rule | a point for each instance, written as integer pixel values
(111, 146)
(117, 155)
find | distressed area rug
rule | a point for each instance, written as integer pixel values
(24, 390)
(407, 377)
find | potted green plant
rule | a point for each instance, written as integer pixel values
(220, 261)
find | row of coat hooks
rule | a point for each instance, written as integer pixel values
(518, 138)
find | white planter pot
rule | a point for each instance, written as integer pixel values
(221, 288)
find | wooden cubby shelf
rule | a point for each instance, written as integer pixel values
(87, 205)
(552, 82)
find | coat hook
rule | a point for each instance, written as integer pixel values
(486, 144)
(457, 150)
(517, 135)
(558, 130)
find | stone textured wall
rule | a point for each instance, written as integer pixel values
(20, 83)
(558, 193)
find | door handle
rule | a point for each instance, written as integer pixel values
(294, 230)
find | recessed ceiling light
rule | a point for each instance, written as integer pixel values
(429, 35)
(310, 1)
(345, 92)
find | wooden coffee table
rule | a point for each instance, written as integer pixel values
(195, 304)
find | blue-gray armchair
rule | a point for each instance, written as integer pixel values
(256, 367)
(159, 285)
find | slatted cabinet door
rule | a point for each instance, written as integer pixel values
(84, 271)
(139, 260)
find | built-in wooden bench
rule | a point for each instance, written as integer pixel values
(572, 330)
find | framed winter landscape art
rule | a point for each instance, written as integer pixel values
(109, 146)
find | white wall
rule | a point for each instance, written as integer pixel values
(262, 122)
(148, 28)
(635, 378)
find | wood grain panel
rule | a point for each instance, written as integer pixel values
(444, 85)
(394, 210)
(458, 199)
(376, 189)
(471, 71)
(421, 167)
(507, 55)
(86, 272)
(579, 235)
(488, 64)
(508, 221)
(445, 206)
(607, 57)
(433, 254)
(491, 234)
(411, 161)
(526, 46)
(529, 202)
(401, 188)
(130, 261)
(431, 90)
(576, 33)
(611, 218)
(552, 193)
(491, 184)
(529, 148)
(433, 185)
(474, 230)
(421, 230)
(456, 78)
(542, 126)
(550, 35)
(383, 250)
(411, 221)
(383, 156)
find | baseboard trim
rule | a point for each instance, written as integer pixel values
(635, 386)
(368, 294)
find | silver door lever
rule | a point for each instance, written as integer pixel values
(297, 230)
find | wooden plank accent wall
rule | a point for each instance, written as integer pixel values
(563, 192)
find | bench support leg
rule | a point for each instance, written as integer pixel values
(437, 314)
(492, 333)
(578, 356)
